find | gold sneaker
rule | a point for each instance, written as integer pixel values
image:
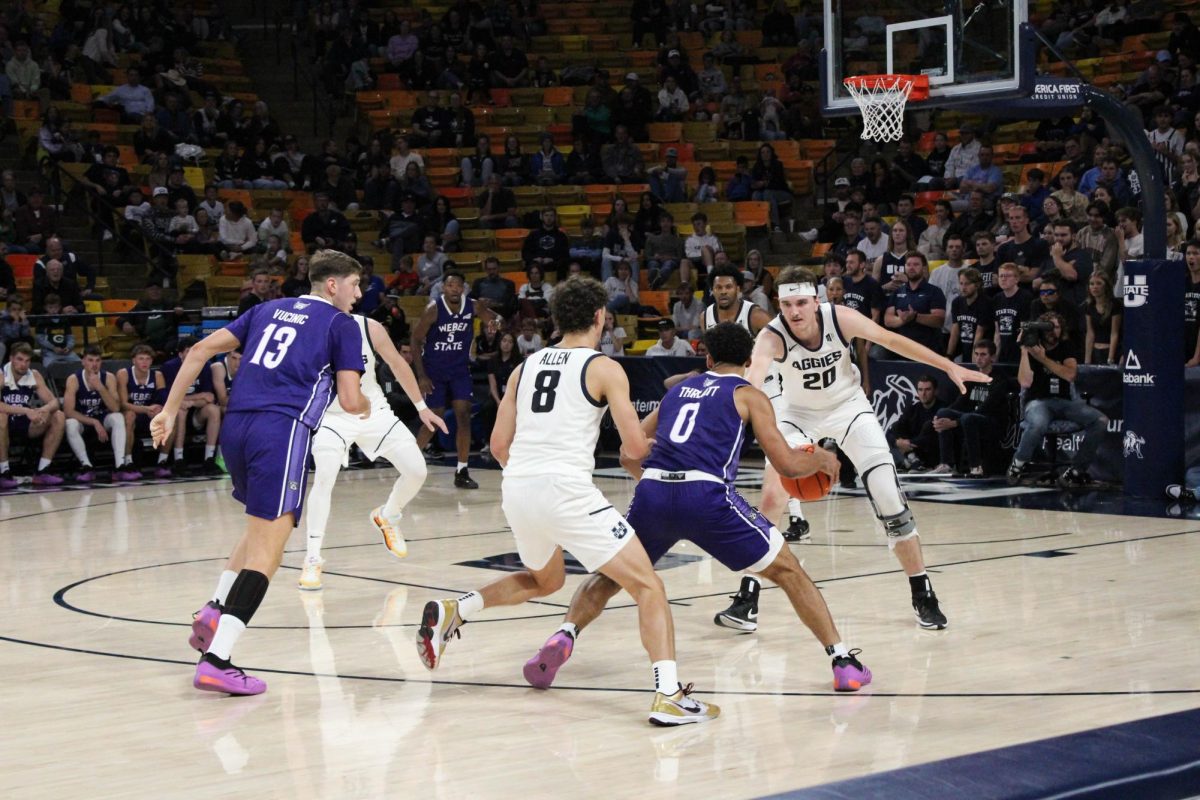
(681, 709)
(439, 621)
(310, 575)
(392, 539)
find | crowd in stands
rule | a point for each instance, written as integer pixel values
(955, 239)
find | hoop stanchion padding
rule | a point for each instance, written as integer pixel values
(882, 98)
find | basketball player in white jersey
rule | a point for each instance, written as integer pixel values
(810, 345)
(545, 436)
(380, 434)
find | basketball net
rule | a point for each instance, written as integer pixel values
(882, 98)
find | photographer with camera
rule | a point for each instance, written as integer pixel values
(1049, 364)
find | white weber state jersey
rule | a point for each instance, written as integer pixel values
(558, 423)
(818, 379)
(370, 385)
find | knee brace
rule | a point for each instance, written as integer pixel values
(890, 505)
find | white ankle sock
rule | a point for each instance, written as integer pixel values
(795, 508)
(224, 584)
(4, 466)
(836, 650)
(179, 454)
(469, 605)
(229, 630)
(569, 629)
(315, 538)
(209, 451)
(162, 458)
(461, 466)
(42, 464)
(666, 678)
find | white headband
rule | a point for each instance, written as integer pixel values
(787, 290)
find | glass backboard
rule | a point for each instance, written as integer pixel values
(971, 51)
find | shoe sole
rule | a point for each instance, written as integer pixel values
(398, 553)
(736, 624)
(850, 685)
(308, 588)
(208, 684)
(540, 670)
(202, 635)
(428, 633)
(795, 539)
(672, 721)
(932, 626)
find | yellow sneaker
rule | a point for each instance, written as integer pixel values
(392, 539)
(680, 709)
(310, 575)
(439, 621)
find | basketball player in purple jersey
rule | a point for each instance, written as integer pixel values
(686, 491)
(295, 351)
(441, 348)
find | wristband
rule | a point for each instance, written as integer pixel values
(420, 406)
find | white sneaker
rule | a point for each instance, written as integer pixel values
(681, 709)
(976, 472)
(941, 469)
(310, 575)
(107, 236)
(439, 622)
(390, 530)
(809, 235)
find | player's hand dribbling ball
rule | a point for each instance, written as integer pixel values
(810, 487)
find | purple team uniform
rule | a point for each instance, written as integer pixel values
(203, 382)
(144, 394)
(88, 401)
(292, 349)
(447, 353)
(18, 394)
(687, 492)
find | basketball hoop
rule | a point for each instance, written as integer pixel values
(881, 99)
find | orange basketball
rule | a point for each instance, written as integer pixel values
(811, 487)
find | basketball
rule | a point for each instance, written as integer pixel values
(810, 487)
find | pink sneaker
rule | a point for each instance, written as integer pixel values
(541, 669)
(46, 479)
(849, 675)
(87, 476)
(204, 626)
(128, 474)
(7, 481)
(162, 472)
(210, 678)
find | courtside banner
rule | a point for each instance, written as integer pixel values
(1153, 436)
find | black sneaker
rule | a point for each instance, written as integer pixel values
(925, 604)
(797, 530)
(1072, 478)
(463, 480)
(1017, 473)
(742, 615)
(209, 467)
(434, 453)
(1179, 492)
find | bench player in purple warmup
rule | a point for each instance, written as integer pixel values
(441, 349)
(295, 351)
(685, 491)
(20, 417)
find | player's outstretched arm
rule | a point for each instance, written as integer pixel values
(221, 341)
(768, 348)
(755, 408)
(403, 373)
(606, 381)
(856, 326)
(506, 420)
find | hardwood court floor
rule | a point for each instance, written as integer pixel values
(1060, 622)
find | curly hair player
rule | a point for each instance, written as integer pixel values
(545, 437)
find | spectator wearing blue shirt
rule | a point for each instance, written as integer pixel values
(741, 185)
(917, 310)
(372, 287)
(1034, 193)
(134, 99)
(984, 176)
